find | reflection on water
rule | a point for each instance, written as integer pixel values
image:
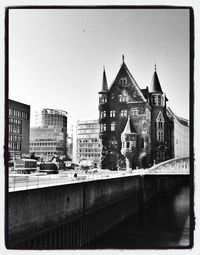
(165, 225)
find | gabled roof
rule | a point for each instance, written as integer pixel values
(160, 117)
(145, 92)
(155, 84)
(104, 82)
(125, 69)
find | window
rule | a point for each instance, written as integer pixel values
(123, 82)
(123, 98)
(142, 142)
(103, 99)
(113, 126)
(102, 114)
(157, 100)
(112, 114)
(160, 121)
(123, 113)
(160, 124)
(160, 136)
(128, 145)
(104, 127)
(135, 112)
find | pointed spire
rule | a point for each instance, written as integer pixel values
(104, 83)
(123, 58)
(155, 83)
(127, 129)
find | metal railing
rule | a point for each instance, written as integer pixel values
(173, 166)
(31, 181)
(179, 166)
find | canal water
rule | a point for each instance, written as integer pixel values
(166, 224)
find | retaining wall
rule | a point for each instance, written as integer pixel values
(73, 215)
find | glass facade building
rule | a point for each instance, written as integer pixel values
(88, 143)
(49, 137)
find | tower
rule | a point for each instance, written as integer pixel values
(129, 146)
(103, 109)
(159, 121)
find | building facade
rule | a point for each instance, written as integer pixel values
(180, 135)
(135, 128)
(88, 144)
(49, 138)
(19, 129)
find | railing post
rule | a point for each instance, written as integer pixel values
(27, 182)
(14, 182)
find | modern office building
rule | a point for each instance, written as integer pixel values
(135, 129)
(49, 137)
(88, 144)
(18, 129)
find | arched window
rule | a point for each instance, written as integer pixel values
(160, 121)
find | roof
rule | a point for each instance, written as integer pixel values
(181, 120)
(145, 92)
(104, 82)
(128, 128)
(155, 83)
(126, 70)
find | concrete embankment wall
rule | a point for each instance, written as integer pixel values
(72, 215)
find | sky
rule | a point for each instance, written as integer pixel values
(56, 56)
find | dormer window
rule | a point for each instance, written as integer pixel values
(160, 121)
(123, 82)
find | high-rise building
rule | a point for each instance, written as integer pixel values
(135, 128)
(88, 147)
(49, 138)
(18, 129)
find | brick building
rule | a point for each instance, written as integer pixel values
(134, 127)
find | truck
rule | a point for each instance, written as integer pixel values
(25, 166)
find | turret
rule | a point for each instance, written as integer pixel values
(103, 93)
(158, 98)
(128, 139)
